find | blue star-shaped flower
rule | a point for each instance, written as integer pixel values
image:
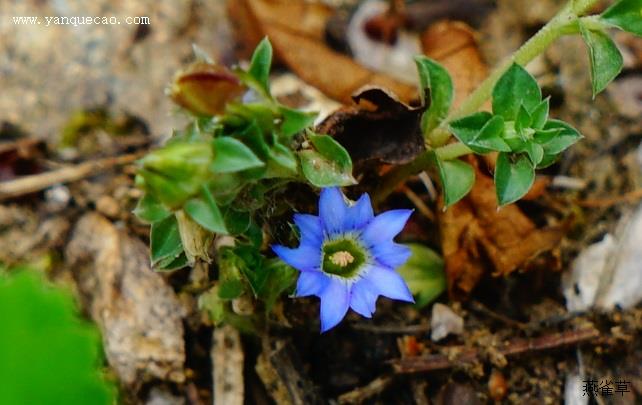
(347, 256)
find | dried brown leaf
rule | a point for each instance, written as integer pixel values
(296, 30)
(378, 128)
(453, 44)
(478, 238)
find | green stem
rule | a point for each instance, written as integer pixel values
(565, 22)
(452, 151)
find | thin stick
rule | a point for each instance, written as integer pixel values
(419, 203)
(517, 346)
(29, 184)
(630, 197)
(360, 394)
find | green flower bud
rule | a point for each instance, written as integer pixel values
(175, 172)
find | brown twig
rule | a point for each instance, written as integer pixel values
(419, 203)
(360, 394)
(630, 197)
(29, 184)
(517, 346)
(392, 329)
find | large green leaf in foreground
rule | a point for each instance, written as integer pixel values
(47, 354)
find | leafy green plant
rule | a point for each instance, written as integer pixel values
(217, 176)
(47, 354)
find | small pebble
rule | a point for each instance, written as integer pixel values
(108, 206)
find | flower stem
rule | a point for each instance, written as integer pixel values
(565, 22)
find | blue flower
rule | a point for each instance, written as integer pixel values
(347, 256)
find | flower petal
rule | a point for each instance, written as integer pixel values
(359, 214)
(391, 254)
(335, 300)
(385, 226)
(332, 210)
(388, 283)
(363, 298)
(311, 283)
(305, 257)
(311, 229)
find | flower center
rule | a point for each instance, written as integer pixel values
(343, 257)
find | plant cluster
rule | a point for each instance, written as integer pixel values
(215, 178)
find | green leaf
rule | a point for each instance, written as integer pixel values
(481, 132)
(230, 289)
(522, 121)
(260, 64)
(281, 163)
(516, 87)
(424, 274)
(231, 155)
(279, 277)
(457, 178)
(514, 176)
(165, 241)
(48, 354)
(150, 209)
(534, 151)
(330, 165)
(566, 137)
(626, 15)
(539, 115)
(295, 121)
(606, 59)
(205, 212)
(171, 264)
(236, 222)
(437, 84)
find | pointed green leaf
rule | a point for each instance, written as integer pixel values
(231, 155)
(516, 87)
(626, 15)
(260, 64)
(424, 274)
(606, 59)
(329, 165)
(282, 162)
(514, 176)
(322, 172)
(523, 120)
(534, 151)
(150, 210)
(457, 179)
(566, 137)
(165, 240)
(481, 132)
(436, 84)
(170, 264)
(279, 277)
(539, 115)
(205, 212)
(295, 121)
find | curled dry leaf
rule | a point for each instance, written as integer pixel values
(476, 237)
(296, 29)
(378, 128)
(142, 332)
